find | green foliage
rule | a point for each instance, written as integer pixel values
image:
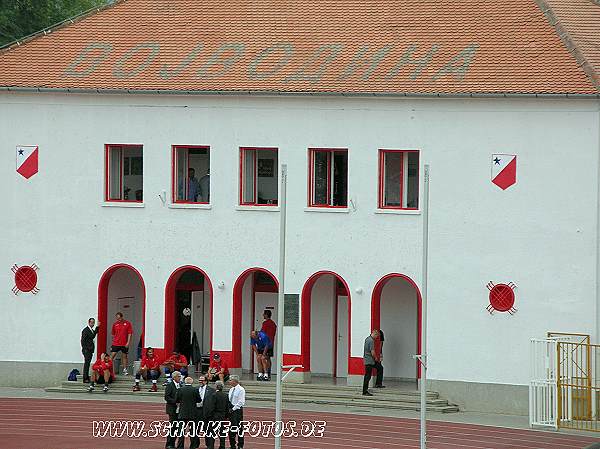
(20, 18)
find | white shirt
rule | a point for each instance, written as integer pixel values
(237, 397)
(202, 391)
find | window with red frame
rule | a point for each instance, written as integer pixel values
(191, 174)
(258, 177)
(124, 173)
(398, 179)
(328, 178)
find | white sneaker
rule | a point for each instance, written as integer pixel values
(91, 388)
(105, 389)
(125, 372)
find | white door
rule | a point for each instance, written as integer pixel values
(342, 337)
(200, 320)
(264, 301)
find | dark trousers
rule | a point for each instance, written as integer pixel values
(210, 441)
(236, 417)
(368, 369)
(87, 359)
(188, 424)
(171, 435)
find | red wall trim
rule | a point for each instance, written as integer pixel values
(305, 317)
(293, 359)
(103, 303)
(236, 328)
(170, 305)
(376, 308)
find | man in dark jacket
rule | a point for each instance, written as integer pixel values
(87, 346)
(172, 407)
(188, 398)
(206, 391)
(215, 407)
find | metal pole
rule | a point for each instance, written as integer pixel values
(423, 358)
(280, 306)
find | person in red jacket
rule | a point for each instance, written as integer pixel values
(177, 362)
(102, 372)
(270, 328)
(149, 368)
(217, 370)
(122, 332)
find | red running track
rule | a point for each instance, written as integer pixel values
(67, 424)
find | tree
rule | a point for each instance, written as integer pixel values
(20, 18)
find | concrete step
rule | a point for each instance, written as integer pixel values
(264, 388)
(389, 401)
(359, 401)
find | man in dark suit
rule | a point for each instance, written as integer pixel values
(188, 397)
(216, 406)
(87, 347)
(206, 391)
(172, 407)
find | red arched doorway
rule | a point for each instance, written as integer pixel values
(188, 287)
(122, 289)
(254, 289)
(402, 304)
(334, 361)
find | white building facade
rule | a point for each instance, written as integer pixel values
(109, 223)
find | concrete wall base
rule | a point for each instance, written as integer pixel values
(484, 397)
(35, 374)
(298, 377)
(356, 380)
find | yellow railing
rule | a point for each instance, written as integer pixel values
(578, 382)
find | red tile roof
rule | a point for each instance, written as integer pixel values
(578, 23)
(341, 46)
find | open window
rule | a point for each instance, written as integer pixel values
(398, 179)
(258, 177)
(124, 173)
(328, 178)
(191, 174)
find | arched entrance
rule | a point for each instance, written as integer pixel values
(325, 325)
(396, 309)
(122, 289)
(188, 311)
(255, 290)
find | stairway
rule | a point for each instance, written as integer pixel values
(293, 393)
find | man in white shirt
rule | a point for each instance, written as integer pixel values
(237, 400)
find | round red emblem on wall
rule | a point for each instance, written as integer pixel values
(25, 279)
(502, 297)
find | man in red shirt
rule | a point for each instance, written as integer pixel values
(121, 334)
(177, 362)
(149, 368)
(102, 372)
(270, 328)
(217, 370)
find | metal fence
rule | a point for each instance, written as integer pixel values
(578, 383)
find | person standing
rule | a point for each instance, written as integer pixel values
(87, 347)
(261, 343)
(237, 400)
(122, 331)
(216, 406)
(188, 398)
(379, 359)
(270, 328)
(369, 359)
(172, 407)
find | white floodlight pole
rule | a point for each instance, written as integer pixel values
(280, 306)
(423, 355)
